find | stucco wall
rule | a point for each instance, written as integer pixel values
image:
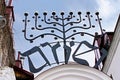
(72, 72)
(6, 47)
(7, 73)
(112, 63)
(7, 57)
(114, 67)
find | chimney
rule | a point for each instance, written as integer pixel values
(10, 2)
(18, 62)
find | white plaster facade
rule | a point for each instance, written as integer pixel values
(72, 72)
(7, 73)
(112, 63)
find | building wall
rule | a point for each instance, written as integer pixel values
(112, 63)
(72, 72)
(2, 7)
(7, 57)
(7, 73)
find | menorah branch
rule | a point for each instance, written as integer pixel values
(45, 19)
(80, 33)
(53, 28)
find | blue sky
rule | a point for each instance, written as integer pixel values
(109, 11)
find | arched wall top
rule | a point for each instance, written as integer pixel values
(72, 72)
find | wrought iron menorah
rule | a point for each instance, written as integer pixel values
(67, 24)
(56, 21)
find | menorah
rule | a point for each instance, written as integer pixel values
(61, 21)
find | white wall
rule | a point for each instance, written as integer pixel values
(112, 64)
(114, 69)
(72, 72)
(7, 73)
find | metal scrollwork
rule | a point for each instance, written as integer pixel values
(67, 23)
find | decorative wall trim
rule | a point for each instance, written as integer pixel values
(113, 47)
(72, 72)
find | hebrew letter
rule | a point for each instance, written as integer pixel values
(53, 50)
(31, 66)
